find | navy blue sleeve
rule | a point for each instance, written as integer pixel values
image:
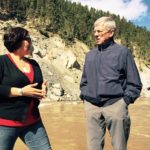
(133, 81)
(83, 82)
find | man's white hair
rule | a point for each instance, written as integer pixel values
(107, 22)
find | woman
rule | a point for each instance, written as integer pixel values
(21, 87)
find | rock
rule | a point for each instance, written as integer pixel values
(40, 52)
(57, 90)
(71, 60)
(66, 59)
(50, 73)
(70, 79)
(57, 85)
(54, 97)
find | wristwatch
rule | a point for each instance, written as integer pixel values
(20, 92)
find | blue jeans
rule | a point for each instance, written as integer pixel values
(34, 136)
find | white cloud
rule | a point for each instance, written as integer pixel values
(130, 9)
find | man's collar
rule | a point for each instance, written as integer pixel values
(103, 46)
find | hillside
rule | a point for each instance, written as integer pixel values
(62, 64)
(73, 21)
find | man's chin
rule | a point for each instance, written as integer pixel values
(98, 43)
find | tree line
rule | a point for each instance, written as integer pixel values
(74, 21)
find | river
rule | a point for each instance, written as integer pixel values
(65, 124)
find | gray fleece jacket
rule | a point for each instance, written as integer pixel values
(109, 74)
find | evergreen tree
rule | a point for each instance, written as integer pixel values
(72, 20)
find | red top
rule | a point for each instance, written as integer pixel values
(30, 119)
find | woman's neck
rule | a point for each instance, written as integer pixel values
(17, 56)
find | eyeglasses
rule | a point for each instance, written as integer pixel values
(100, 32)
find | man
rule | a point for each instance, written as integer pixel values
(110, 82)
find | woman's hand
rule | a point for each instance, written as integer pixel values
(44, 88)
(31, 91)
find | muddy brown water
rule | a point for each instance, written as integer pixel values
(65, 125)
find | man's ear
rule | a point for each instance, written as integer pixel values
(111, 33)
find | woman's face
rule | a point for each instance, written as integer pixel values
(27, 46)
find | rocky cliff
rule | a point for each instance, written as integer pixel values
(61, 64)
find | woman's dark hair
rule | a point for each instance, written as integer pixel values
(13, 38)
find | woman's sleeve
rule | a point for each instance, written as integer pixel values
(39, 73)
(4, 90)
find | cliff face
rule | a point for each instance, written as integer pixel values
(61, 64)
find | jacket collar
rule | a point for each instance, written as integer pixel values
(105, 45)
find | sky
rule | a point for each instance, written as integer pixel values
(136, 11)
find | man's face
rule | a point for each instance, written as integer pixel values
(101, 34)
